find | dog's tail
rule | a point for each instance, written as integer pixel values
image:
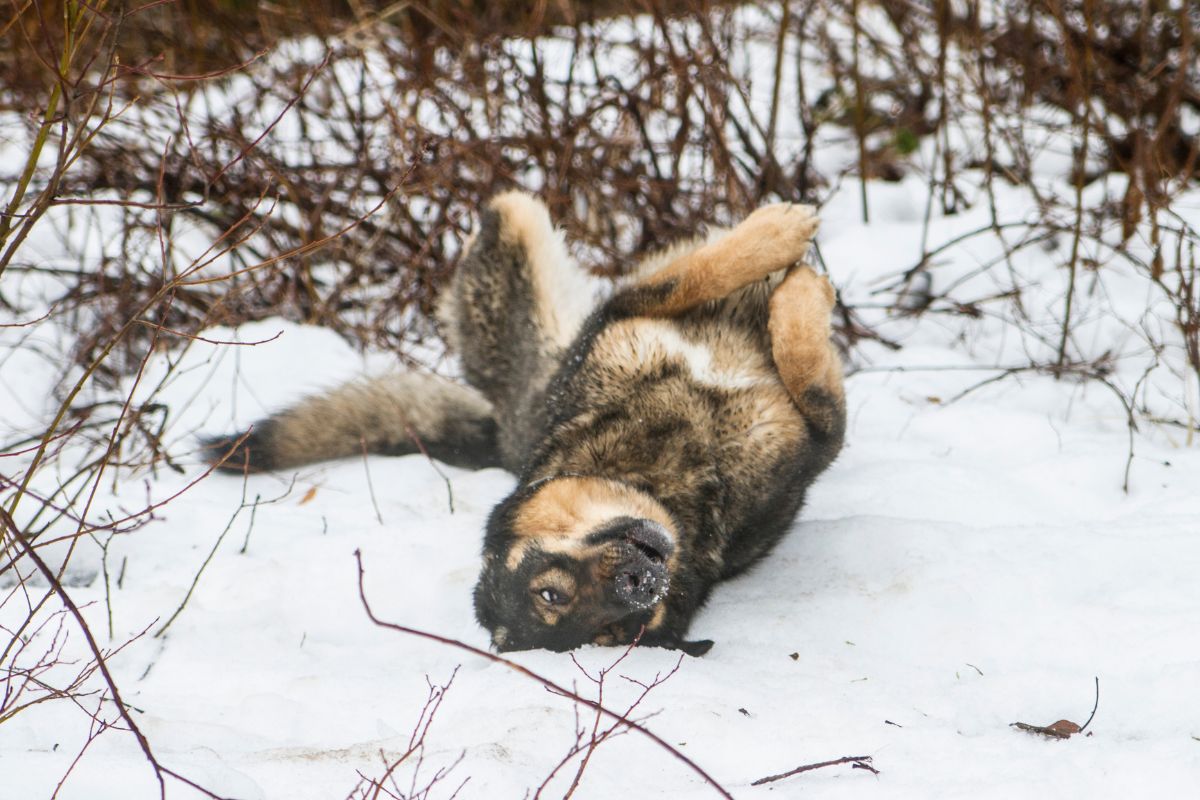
(394, 414)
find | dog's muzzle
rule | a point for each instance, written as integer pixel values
(639, 552)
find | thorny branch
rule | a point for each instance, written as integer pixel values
(52, 578)
(360, 234)
(858, 762)
(587, 741)
(524, 671)
(369, 788)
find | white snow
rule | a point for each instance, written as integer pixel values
(959, 568)
(962, 566)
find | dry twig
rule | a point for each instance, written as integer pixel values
(617, 717)
(857, 762)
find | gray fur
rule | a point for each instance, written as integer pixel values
(393, 414)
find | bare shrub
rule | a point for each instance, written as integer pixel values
(607, 721)
(411, 760)
(110, 305)
(321, 161)
(592, 733)
(396, 126)
(975, 95)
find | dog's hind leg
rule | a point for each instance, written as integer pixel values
(772, 238)
(806, 359)
(514, 305)
(516, 302)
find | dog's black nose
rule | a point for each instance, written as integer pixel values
(640, 584)
(640, 577)
(636, 557)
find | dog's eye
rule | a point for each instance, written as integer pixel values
(552, 596)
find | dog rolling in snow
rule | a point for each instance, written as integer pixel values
(663, 439)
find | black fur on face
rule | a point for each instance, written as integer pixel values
(601, 586)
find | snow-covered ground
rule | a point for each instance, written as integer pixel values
(962, 566)
(969, 561)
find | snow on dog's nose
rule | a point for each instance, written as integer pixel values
(639, 574)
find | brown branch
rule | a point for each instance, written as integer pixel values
(197, 338)
(370, 485)
(859, 762)
(421, 446)
(56, 585)
(530, 674)
(1094, 707)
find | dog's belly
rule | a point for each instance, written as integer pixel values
(724, 359)
(749, 415)
(698, 415)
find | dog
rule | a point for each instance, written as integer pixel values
(663, 437)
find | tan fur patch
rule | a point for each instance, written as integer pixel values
(656, 621)
(568, 547)
(672, 252)
(563, 293)
(775, 423)
(799, 326)
(565, 510)
(640, 345)
(571, 507)
(772, 238)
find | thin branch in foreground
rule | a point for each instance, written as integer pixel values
(57, 587)
(421, 446)
(253, 506)
(370, 485)
(545, 682)
(369, 788)
(1094, 707)
(587, 742)
(858, 762)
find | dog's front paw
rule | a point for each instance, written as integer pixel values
(697, 648)
(675, 642)
(805, 286)
(780, 233)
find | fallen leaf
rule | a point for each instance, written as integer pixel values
(1063, 729)
(1065, 726)
(308, 496)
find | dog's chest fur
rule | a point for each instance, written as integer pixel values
(691, 410)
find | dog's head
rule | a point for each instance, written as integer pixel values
(575, 560)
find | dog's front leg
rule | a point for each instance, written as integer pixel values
(669, 624)
(772, 238)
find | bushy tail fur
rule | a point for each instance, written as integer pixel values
(514, 305)
(394, 414)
